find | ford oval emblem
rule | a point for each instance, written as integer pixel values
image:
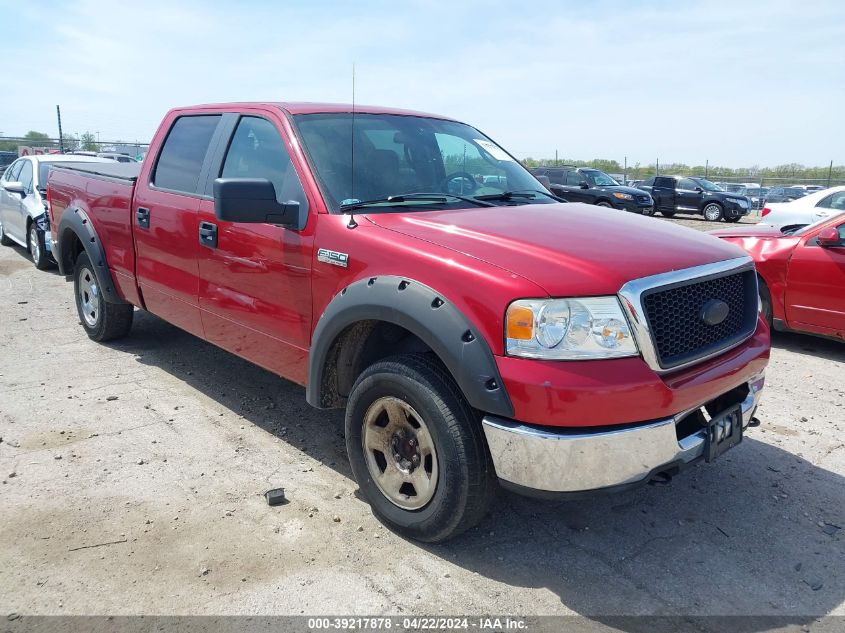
(714, 312)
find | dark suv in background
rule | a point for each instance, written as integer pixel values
(584, 184)
(683, 194)
(784, 194)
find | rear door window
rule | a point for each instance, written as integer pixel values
(662, 182)
(183, 153)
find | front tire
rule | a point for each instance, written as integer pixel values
(603, 203)
(37, 249)
(417, 449)
(713, 212)
(102, 320)
(765, 301)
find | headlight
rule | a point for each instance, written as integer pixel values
(622, 196)
(568, 329)
(739, 201)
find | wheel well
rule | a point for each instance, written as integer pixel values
(356, 348)
(71, 247)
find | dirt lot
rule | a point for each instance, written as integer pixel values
(132, 480)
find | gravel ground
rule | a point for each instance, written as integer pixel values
(132, 480)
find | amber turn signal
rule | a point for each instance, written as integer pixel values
(520, 323)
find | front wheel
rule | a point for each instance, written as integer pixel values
(713, 212)
(102, 320)
(37, 249)
(765, 301)
(417, 449)
(605, 204)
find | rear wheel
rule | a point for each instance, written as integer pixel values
(37, 250)
(765, 300)
(713, 212)
(4, 240)
(417, 449)
(102, 320)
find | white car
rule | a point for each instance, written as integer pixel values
(23, 203)
(807, 210)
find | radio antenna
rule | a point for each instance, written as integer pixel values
(352, 223)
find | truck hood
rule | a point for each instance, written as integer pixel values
(567, 249)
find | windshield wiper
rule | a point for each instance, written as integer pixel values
(430, 198)
(506, 195)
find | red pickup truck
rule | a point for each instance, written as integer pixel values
(406, 267)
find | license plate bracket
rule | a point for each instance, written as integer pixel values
(722, 433)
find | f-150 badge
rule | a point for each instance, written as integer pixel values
(332, 257)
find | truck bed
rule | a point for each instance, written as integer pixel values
(112, 170)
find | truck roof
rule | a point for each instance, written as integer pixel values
(305, 107)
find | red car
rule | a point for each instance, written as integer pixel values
(801, 274)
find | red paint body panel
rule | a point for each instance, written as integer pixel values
(620, 391)
(805, 280)
(261, 292)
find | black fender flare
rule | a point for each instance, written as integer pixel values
(426, 314)
(75, 222)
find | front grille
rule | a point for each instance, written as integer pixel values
(678, 329)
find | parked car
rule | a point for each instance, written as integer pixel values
(120, 158)
(802, 273)
(784, 194)
(584, 184)
(23, 203)
(805, 210)
(681, 194)
(756, 196)
(556, 348)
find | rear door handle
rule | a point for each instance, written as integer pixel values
(143, 217)
(208, 234)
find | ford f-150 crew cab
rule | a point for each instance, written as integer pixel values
(405, 267)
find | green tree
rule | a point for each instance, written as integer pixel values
(89, 142)
(32, 135)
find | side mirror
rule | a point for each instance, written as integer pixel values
(584, 185)
(252, 200)
(15, 187)
(699, 190)
(829, 237)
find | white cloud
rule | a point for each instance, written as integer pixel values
(735, 83)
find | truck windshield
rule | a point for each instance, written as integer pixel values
(391, 156)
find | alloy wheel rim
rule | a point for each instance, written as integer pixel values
(711, 212)
(399, 452)
(89, 297)
(34, 247)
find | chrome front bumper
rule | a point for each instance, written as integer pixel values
(568, 461)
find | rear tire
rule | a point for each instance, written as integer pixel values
(102, 321)
(765, 300)
(410, 403)
(37, 249)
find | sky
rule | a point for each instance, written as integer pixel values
(732, 82)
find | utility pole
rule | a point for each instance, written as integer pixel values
(829, 173)
(625, 171)
(657, 167)
(707, 169)
(61, 138)
(555, 158)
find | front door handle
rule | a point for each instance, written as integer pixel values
(143, 217)
(208, 234)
